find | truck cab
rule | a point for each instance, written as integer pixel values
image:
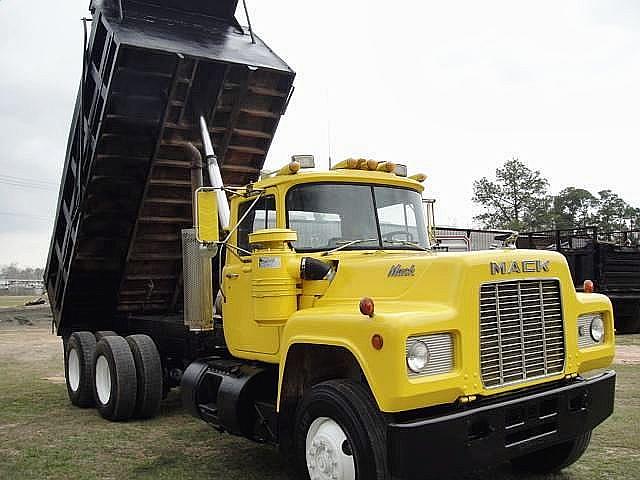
(361, 344)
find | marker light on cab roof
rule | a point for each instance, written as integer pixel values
(305, 161)
(401, 170)
(388, 167)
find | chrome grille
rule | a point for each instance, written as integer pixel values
(521, 331)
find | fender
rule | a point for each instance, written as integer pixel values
(344, 327)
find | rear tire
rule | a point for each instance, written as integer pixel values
(115, 382)
(78, 368)
(149, 375)
(340, 433)
(553, 459)
(100, 334)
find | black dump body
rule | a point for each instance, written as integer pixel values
(610, 259)
(152, 67)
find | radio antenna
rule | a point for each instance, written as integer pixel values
(329, 126)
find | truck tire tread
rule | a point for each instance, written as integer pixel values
(85, 345)
(100, 334)
(149, 375)
(122, 401)
(357, 412)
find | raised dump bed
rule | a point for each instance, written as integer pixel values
(151, 69)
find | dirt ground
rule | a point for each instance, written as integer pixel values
(628, 354)
(43, 436)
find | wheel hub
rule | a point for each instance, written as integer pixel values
(103, 380)
(325, 455)
(73, 370)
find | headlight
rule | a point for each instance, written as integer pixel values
(417, 356)
(590, 329)
(597, 329)
(429, 354)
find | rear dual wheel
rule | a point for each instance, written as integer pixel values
(78, 368)
(115, 379)
(149, 375)
(122, 377)
(128, 377)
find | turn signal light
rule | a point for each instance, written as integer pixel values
(587, 286)
(366, 306)
(377, 342)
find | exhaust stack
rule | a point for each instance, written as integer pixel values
(215, 176)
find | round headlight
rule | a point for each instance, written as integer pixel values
(417, 356)
(597, 328)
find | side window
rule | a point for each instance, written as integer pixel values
(262, 216)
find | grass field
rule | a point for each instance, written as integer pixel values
(43, 436)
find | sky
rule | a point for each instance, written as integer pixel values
(452, 89)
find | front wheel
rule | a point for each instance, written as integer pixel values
(554, 458)
(340, 433)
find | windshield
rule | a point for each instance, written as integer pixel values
(328, 215)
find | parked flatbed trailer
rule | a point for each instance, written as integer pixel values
(610, 259)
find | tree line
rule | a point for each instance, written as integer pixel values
(519, 199)
(14, 272)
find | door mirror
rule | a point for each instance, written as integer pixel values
(206, 208)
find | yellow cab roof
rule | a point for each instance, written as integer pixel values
(340, 175)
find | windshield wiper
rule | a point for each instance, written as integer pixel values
(348, 244)
(407, 243)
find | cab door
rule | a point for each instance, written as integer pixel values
(241, 330)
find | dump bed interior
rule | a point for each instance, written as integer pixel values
(152, 67)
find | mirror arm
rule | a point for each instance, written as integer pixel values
(235, 227)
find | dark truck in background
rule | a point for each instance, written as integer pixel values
(454, 239)
(610, 259)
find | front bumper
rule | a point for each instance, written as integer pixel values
(492, 433)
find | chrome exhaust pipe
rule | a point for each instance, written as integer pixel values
(215, 176)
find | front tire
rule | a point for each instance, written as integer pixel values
(553, 459)
(340, 434)
(78, 368)
(115, 384)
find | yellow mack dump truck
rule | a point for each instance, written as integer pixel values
(388, 358)
(312, 311)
